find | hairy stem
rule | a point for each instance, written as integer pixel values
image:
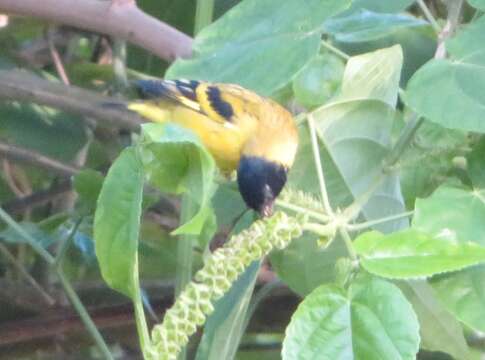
(348, 243)
(318, 165)
(368, 224)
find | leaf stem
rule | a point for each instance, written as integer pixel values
(298, 209)
(203, 14)
(429, 16)
(404, 139)
(318, 165)
(141, 323)
(368, 224)
(354, 209)
(348, 243)
(335, 50)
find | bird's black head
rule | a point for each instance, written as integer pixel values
(260, 182)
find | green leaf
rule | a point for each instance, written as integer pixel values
(457, 215)
(438, 329)
(380, 6)
(437, 147)
(303, 265)
(373, 76)
(479, 4)
(223, 329)
(356, 130)
(175, 161)
(319, 80)
(463, 295)
(441, 89)
(410, 254)
(87, 184)
(476, 164)
(418, 44)
(452, 213)
(245, 45)
(368, 26)
(372, 320)
(117, 222)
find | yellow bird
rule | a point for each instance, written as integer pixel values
(241, 129)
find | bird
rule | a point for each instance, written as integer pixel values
(241, 129)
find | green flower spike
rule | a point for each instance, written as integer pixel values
(217, 276)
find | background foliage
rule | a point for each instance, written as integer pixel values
(389, 97)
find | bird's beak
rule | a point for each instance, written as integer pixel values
(267, 209)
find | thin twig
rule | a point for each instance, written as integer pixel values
(37, 198)
(452, 21)
(121, 19)
(24, 87)
(84, 315)
(22, 271)
(56, 59)
(20, 154)
(9, 178)
(71, 294)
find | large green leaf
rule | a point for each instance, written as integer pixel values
(304, 265)
(368, 26)
(441, 89)
(175, 161)
(479, 4)
(371, 320)
(410, 254)
(379, 6)
(452, 213)
(463, 294)
(356, 131)
(260, 52)
(439, 330)
(457, 215)
(117, 222)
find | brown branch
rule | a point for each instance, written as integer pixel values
(122, 19)
(17, 153)
(38, 198)
(24, 87)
